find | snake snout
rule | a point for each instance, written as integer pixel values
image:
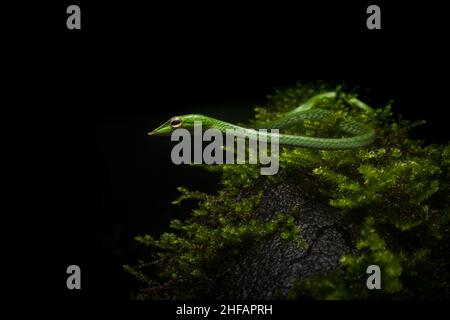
(163, 130)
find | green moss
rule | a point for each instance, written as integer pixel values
(396, 192)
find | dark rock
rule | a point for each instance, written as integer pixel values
(269, 268)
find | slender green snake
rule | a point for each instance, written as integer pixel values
(360, 134)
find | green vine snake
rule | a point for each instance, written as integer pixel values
(360, 134)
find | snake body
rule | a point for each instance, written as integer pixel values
(360, 134)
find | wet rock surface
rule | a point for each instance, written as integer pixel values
(269, 268)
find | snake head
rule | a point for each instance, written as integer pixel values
(185, 121)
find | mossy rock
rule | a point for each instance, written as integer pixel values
(311, 230)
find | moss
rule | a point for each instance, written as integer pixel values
(395, 191)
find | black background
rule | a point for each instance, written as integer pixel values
(97, 91)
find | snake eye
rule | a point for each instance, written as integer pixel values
(175, 122)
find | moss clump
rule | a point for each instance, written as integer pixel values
(395, 192)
